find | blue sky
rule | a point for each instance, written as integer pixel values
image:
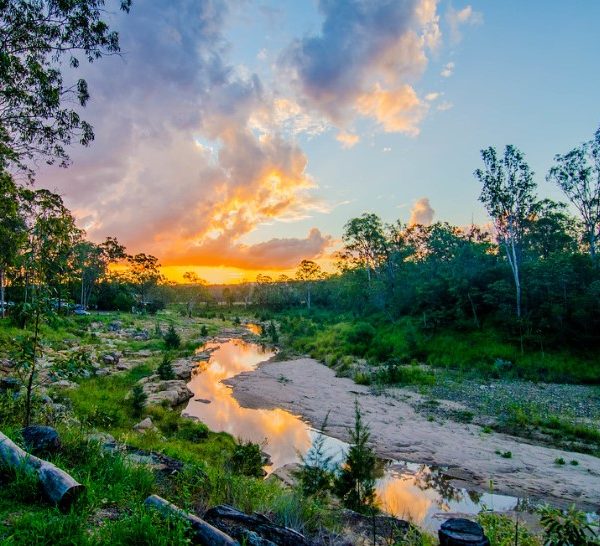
(217, 130)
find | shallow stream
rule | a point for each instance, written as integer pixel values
(417, 492)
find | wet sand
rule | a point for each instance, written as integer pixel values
(310, 389)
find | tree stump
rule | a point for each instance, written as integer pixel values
(462, 532)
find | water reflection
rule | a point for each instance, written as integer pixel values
(411, 491)
(281, 433)
(256, 329)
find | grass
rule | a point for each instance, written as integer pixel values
(331, 339)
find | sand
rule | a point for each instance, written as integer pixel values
(309, 389)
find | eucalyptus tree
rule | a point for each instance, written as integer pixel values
(508, 194)
(37, 119)
(143, 274)
(307, 273)
(577, 173)
(12, 231)
(365, 243)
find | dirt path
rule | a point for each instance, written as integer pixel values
(309, 389)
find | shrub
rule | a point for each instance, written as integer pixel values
(138, 400)
(355, 483)
(165, 369)
(172, 339)
(362, 378)
(204, 331)
(192, 431)
(565, 526)
(247, 459)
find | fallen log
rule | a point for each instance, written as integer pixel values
(284, 536)
(58, 486)
(204, 532)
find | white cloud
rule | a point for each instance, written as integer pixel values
(458, 18)
(421, 213)
(448, 70)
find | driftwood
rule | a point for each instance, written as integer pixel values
(223, 515)
(204, 532)
(57, 485)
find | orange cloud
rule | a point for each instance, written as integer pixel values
(397, 110)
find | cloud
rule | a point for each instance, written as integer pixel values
(446, 105)
(348, 140)
(278, 253)
(430, 97)
(397, 111)
(421, 213)
(458, 18)
(448, 70)
(190, 151)
(366, 53)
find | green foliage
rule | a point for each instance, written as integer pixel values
(247, 459)
(165, 368)
(566, 527)
(355, 482)
(138, 400)
(272, 332)
(171, 338)
(395, 373)
(503, 530)
(73, 365)
(317, 473)
(204, 331)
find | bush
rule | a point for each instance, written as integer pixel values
(360, 336)
(192, 431)
(204, 331)
(138, 400)
(247, 459)
(395, 373)
(165, 369)
(172, 339)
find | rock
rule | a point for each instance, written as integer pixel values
(202, 400)
(462, 532)
(102, 438)
(9, 384)
(65, 384)
(41, 440)
(183, 368)
(144, 353)
(122, 366)
(100, 372)
(145, 425)
(115, 326)
(111, 358)
(173, 391)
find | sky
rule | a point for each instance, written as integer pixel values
(237, 137)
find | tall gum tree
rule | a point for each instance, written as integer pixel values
(577, 174)
(508, 194)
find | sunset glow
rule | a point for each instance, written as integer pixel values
(237, 139)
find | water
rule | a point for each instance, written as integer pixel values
(411, 491)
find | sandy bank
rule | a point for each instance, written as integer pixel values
(310, 389)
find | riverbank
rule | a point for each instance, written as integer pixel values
(473, 455)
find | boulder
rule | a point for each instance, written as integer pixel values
(462, 532)
(115, 326)
(174, 391)
(41, 440)
(145, 425)
(9, 384)
(183, 368)
(65, 384)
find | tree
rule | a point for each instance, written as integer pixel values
(508, 195)
(355, 484)
(308, 272)
(143, 274)
(12, 231)
(365, 242)
(577, 174)
(172, 339)
(165, 368)
(36, 36)
(92, 261)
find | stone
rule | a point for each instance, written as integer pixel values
(9, 384)
(462, 532)
(41, 440)
(145, 425)
(115, 326)
(65, 384)
(183, 368)
(174, 391)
